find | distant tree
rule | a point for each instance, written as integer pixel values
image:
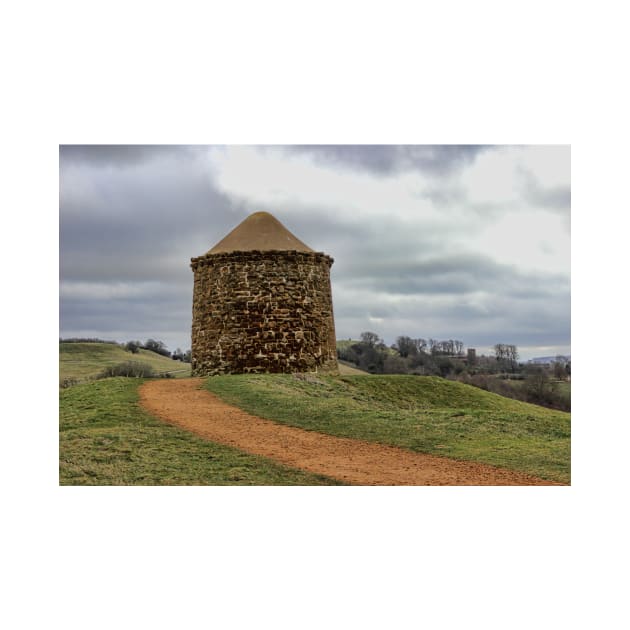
(371, 358)
(157, 346)
(445, 366)
(512, 356)
(506, 355)
(500, 352)
(539, 387)
(187, 356)
(406, 346)
(421, 344)
(350, 354)
(133, 347)
(370, 338)
(394, 365)
(423, 363)
(560, 368)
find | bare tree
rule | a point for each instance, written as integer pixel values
(406, 346)
(512, 356)
(500, 351)
(370, 338)
(506, 355)
(421, 344)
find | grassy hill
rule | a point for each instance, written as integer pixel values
(347, 369)
(82, 361)
(423, 414)
(106, 438)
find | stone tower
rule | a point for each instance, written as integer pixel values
(262, 302)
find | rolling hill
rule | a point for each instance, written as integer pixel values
(425, 414)
(83, 361)
(106, 438)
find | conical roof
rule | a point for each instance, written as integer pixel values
(259, 231)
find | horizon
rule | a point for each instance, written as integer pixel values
(95, 339)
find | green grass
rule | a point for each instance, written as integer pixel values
(82, 361)
(423, 414)
(106, 438)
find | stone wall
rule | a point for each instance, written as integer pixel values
(260, 311)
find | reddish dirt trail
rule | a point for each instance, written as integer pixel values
(182, 403)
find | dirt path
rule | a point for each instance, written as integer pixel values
(182, 403)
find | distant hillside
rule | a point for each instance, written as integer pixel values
(82, 361)
(346, 369)
(344, 344)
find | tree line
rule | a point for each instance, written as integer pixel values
(500, 373)
(407, 356)
(158, 347)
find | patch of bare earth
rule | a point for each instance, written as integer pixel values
(184, 404)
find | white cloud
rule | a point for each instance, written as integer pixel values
(551, 165)
(532, 241)
(515, 234)
(493, 177)
(501, 175)
(274, 180)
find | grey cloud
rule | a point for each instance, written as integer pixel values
(555, 198)
(467, 297)
(389, 159)
(164, 311)
(135, 215)
(119, 155)
(144, 225)
(542, 320)
(455, 274)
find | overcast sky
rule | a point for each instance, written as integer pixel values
(449, 242)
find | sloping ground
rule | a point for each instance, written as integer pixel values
(82, 361)
(346, 369)
(106, 438)
(423, 414)
(185, 405)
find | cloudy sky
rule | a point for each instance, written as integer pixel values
(460, 242)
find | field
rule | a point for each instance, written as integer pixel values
(424, 414)
(105, 438)
(83, 361)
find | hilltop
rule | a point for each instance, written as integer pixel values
(82, 361)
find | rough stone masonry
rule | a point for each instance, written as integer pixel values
(262, 302)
